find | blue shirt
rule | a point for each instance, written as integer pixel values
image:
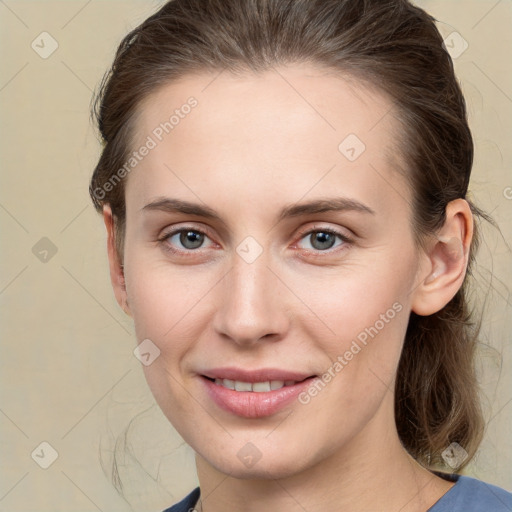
(467, 495)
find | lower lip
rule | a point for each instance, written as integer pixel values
(251, 404)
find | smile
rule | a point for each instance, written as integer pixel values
(253, 394)
(257, 387)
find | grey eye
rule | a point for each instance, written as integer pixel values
(191, 239)
(321, 240)
(188, 239)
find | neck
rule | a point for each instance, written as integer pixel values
(359, 476)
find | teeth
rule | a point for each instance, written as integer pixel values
(257, 387)
(276, 384)
(230, 384)
(242, 386)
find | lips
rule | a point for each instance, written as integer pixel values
(255, 393)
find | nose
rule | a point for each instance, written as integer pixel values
(251, 304)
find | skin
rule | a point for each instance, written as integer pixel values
(254, 145)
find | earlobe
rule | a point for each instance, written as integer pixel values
(116, 266)
(447, 260)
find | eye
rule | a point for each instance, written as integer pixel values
(322, 240)
(184, 239)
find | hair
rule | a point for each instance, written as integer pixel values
(390, 45)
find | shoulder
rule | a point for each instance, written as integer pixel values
(187, 504)
(469, 494)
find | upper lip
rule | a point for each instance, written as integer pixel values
(257, 375)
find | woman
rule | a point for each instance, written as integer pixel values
(283, 184)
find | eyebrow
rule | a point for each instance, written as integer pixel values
(336, 204)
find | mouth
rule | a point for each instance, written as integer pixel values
(254, 394)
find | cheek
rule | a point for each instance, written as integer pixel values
(360, 301)
(161, 298)
(364, 356)
(167, 310)
(364, 312)
(172, 307)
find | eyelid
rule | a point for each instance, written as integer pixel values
(166, 232)
(326, 229)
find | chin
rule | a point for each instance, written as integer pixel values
(277, 464)
(260, 471)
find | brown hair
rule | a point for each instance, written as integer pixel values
(390, 44)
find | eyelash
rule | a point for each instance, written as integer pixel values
(192, 252)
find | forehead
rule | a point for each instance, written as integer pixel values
(254, 132)
(317, 100)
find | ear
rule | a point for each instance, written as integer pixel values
(115, 263)
(446, 260)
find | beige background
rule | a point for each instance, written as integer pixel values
(68, 374)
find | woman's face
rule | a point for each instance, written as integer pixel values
(269, 246)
